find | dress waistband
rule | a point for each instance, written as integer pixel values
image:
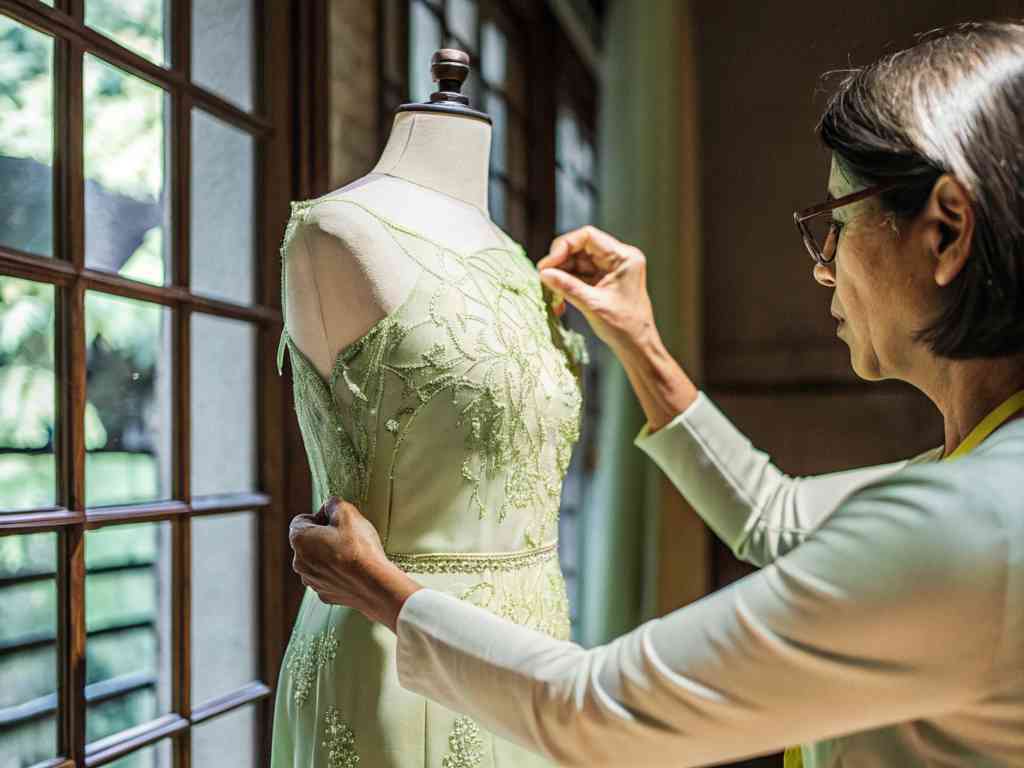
(473, 562)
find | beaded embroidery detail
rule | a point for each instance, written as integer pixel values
(502, 435)
(465, 745)
(339, 741)
(472, 562)
(309, 653)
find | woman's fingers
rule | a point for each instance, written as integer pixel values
(584, 251)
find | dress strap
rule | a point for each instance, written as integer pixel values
(299, 210)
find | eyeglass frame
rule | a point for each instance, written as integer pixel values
(801, 216)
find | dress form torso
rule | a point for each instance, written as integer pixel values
(343, 271)
(437, 391)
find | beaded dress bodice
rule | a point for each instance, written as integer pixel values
(450, 422)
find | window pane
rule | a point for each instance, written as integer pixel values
(28, 657)
(493, 54)
(26, 138)
(494, 105)
(140, 25)
(127, 206)
(127, 600)
(424, 39)
(27, 394)
(223, 49)
(227, 741)
(223, 209)
(223, 405)
(128, 400)
(496, 201)
(155, 756)
(224, 604)
(462, 23)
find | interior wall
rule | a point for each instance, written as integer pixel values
(772, 360)
(762, 342)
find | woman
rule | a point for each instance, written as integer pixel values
(885, 626)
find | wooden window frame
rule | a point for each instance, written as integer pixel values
(288, 31)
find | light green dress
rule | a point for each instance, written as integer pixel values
(450, 424)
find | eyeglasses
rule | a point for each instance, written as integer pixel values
(821, 235)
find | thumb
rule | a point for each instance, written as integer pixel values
(575, 290)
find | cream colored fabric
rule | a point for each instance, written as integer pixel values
(884, 629)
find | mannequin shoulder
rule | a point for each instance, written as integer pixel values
(330, 227)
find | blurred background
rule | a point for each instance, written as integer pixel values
(149, 456)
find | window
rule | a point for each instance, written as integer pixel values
(576, 205)
(494, 38)
(138, 317)
(543, 157)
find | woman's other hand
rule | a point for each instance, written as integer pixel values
(606, 280)
(338, 554)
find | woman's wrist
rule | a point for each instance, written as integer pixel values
(387, 589)
(662, 387)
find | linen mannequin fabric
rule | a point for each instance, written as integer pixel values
(883, 629)
(449, 424)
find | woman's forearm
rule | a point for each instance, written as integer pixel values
(661, 385)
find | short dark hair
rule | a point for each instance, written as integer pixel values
(952, 103)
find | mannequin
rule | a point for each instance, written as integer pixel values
(345, 273)
(437, 391)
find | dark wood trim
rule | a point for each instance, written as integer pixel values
(542, 44)
(312, 100)
(38, 520)
(230, 502)
(120, 744)
(247, 694)
(150, 512)
(278, 465)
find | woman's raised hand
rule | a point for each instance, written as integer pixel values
(606, 280)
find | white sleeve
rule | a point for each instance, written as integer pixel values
(826, 640)
(758, 511)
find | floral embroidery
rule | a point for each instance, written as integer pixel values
(493, 359)
(465, 744)
(533, 597)
(308, 654)
(339, 741)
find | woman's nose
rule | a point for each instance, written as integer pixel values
(825, 274)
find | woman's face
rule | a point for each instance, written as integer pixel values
(883, 284)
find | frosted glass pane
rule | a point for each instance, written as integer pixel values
(223, 49)
(496, 202)
(462, 23)
(128, 621)
(156, 756)
(223, 209)
(26, 138)
(127, 187)
(128, 428)
(424, 39)
(226, 741)
(139, 25)
(494, 105)
(223, 405)
(224, 601)
(28, 663)
(28, 392)
(493, 54)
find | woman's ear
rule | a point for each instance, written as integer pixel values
(948, 224)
